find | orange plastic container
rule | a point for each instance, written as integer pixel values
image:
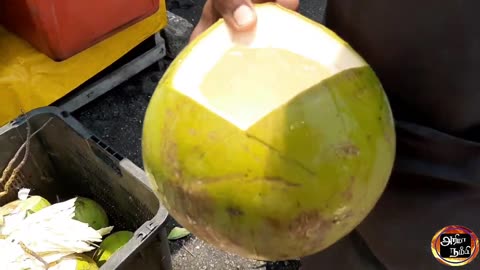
(63, 28)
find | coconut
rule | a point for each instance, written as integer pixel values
(89, 211)
(32, 204)
(271, 144)
(110, 245)
(15, 211)
(75, 262)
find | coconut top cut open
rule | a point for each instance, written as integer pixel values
(244, 76)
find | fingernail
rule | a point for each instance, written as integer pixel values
(243, 15)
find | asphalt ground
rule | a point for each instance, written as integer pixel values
(117, 118)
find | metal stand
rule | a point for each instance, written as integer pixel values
(115, 78)
(176, 35)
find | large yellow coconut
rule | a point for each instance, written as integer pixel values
(271, 144)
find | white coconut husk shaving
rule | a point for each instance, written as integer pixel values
(44, 237)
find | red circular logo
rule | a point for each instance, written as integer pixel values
(455, 245)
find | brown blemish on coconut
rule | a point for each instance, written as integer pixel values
(197, 211)
(348, 193)
(225, 178)
(347, 149)
(172, 159)
(170, 152)
(280, 180)
(191, 202)
(274, 223)
(389, 136)
(342, 216)
(308, 224)
(234, 211)
(361, 91)
(169, 113)
(193, 208)
(213, 136)
(312, 226)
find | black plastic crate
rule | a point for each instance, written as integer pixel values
(65, 160)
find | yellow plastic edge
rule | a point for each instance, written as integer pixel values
(29, 79)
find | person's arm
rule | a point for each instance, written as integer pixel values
(238, 14)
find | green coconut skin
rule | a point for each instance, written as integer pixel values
(32, 204)
(291, 185)
(82, 262)
(85, 263)
(89, 211)
(111, 244)
(35, 203)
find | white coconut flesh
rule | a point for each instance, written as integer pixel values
(242, 77)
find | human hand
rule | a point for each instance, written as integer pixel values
(238, 14)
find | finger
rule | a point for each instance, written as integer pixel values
(209, 17)
(238, 14)
(290, 4)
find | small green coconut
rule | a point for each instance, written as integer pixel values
(110, 245)
(89, 211)
(31, 204)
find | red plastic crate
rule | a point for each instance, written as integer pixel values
(63, 28)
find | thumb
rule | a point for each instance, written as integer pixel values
(238, 14)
